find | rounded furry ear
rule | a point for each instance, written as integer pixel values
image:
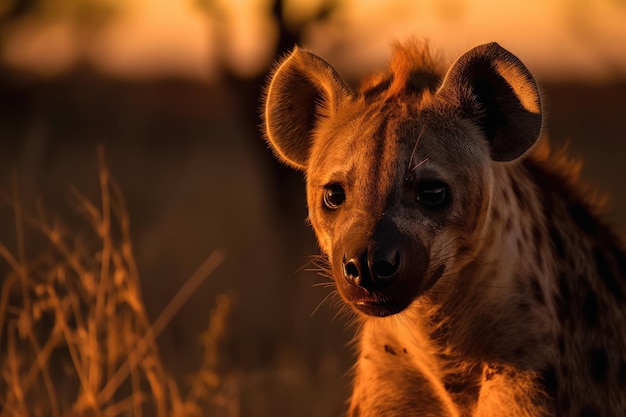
(303, 89)
(492, 87)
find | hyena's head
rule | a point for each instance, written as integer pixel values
(400, 174)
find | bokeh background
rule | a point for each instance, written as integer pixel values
(171, 89)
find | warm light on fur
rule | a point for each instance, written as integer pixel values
(483, 281)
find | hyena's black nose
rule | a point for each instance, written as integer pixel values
(372, 272)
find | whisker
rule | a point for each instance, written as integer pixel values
(330, 294)
(419, 164)
(315, 269)
(343, 310)
(324, 284)
(417, 141)
(315, 262)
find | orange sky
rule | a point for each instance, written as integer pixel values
(567, 39)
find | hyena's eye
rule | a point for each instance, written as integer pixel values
(432, 194)
(334, 196)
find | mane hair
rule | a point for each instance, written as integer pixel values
(413, 69)
(556, 169)
(557, 172)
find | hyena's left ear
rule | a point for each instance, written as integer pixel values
(493, 88)
(303, 90)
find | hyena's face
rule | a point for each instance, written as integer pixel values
(399, 184)
(396, 199)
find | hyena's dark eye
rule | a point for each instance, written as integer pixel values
(334, 196)
(432, 194)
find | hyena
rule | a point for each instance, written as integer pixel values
(484, 280)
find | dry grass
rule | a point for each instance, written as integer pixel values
(75, 339)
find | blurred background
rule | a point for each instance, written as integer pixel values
(171, 88)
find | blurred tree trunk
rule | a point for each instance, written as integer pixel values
(286, 181)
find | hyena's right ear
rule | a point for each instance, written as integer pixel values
(303, 90)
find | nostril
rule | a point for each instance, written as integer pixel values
(386, 268)
(351, 271)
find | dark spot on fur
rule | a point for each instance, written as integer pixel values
(505, 196)
(491, 371)
(590, 309)
(434, 276)
(404, 350)
(599, 365)
(589, 411)
(537, 290)
(550, 382)
(455, 387)
(557, 241)
(389, 349)
(607, 275)
(463, 249)
(581, 216)
(523, 307)
(508, 225)
(463, 387)
(495, 214)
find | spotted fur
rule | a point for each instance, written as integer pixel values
(502, 298)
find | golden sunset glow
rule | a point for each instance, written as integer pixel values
(155, 37)
(152, 37)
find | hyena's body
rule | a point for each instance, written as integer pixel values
(485, 283)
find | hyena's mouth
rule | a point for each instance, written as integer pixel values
(381, 307)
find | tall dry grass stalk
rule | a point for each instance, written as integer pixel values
(75, 339)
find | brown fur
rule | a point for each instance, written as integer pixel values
(503, 298)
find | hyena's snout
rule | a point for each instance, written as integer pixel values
(379, 270)
(372, 264)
